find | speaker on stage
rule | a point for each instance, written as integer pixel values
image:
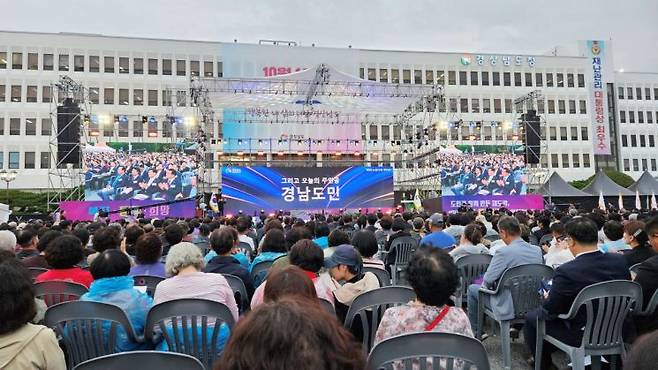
(532, 136)
(68, 133)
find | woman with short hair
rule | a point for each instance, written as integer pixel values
(470, 243)
(365, 242)
(289, 281)
(62, 255)
(148, 251)
(112, 285)
(22, 344)
(433, 276)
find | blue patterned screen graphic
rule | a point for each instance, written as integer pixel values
(269, 189)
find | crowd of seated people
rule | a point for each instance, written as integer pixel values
(482, 174)
(157, 176)
(314, 260)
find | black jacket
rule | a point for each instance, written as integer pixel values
(647, 277)
(229, 265)
(638, 254)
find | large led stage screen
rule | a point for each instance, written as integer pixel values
(160, 172)
(269, 189)
(483, 170)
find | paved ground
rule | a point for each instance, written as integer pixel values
(519, 353)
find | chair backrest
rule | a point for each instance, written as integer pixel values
(404, 247)
(374, 303)
(259, 272)
(88, 329)
(54, 292)
(36, 271)
(382, 275)
(524, 283)
(607, 304)
(239, 291)
(145, 360)
(190, 326)
(634, 269)
(446, 350)
(327, 306)
(470, 267)
(150, 282)
(246, 249)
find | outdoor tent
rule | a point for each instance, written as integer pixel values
(645, 185)
(555, 186)
(603, 184)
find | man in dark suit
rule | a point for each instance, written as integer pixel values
(172, 187)
(589, 267)
(647, 277)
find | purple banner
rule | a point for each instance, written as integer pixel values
(85, 210)
(511, 202)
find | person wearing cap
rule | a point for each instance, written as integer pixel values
(438, 238)
(346, 266)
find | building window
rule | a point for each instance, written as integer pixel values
(583, 107)
(486, 106)
(30, 126)
(31, 94)
(78, 63)
(572, 107)
(138, 128)
(453, 105)
(647, 93)
(551, 107)
(452, 78)
(549, 80)
(406, 76)
(631, 116)
(622, 116)
(362, 73)
(123, 128)
(463, 105)
(561, 106)
(507, 79)
(644, 164)
(441, 78)
(636, 165)
(633, 141)
(629, 93)
(372, 74)
(649, 117)
(63, 62)
(638, 93)
(395, 76)
(553, 133)
(485, 78)
(418, 77)
(620, 93)
(563, 134)
(153, 66)
(181, 98)
(166, 129)
(429, 76)
(570, 81)
(574, 133)
(474, 78)
(30, 160)
(194, 68)
(528, 79)
(643, 141)
(94, 95)
(565, 160)
(508, 105)
(584, 133)
(180, 68)
(586, 160)
(94, 63)
(16, 60)
(575, 159)
(581, 80)
(108, 64)
(495, 77)
(124, 97)
(16, 93)
(14, 160)
(46, 127)
(497, 106)
(3, 60)
(475, 105)
(640, 117)
(652, 141)
(540, 106)
(166, 67)
(32, 61)
(517, 79)
(138, 66)
(48, 62)
(124, 65)
(138, 97)
(108, 96)
(554, 161)
(627, 164)
(3, 93)
(624, 140)
(653, 164)
(383, 75)
(655, 93)
(539, 81)
(166, 98)
(560, 79)
(44, 160)
(462, 78)
(153, 98)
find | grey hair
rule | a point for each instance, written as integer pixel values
(510, 224)
(182, 255)
(7, 240)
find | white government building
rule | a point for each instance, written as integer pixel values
(137, 77)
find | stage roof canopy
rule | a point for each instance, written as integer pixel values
(645, 185)
(322, 87)
(603, 184)
(555, 186)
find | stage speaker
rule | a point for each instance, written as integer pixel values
(532, 137)
(68, 133)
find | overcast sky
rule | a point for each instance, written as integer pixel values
(496, 26)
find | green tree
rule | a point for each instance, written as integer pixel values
(619, 178)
